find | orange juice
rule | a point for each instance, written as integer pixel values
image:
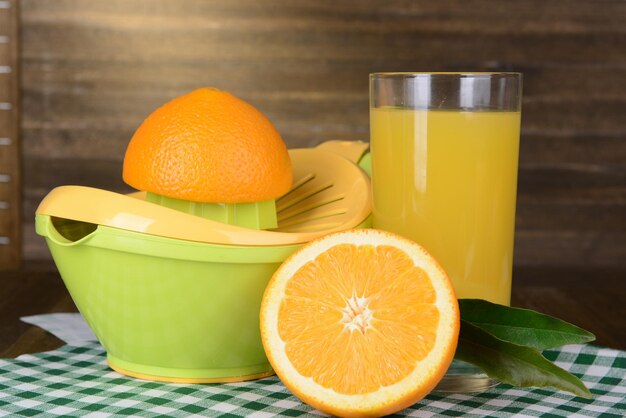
(447, 180)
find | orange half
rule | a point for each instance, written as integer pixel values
(360, 323)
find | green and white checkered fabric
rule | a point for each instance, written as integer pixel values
(76, 381)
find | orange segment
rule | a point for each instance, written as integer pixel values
(360, 323)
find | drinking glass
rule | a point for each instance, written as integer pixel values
(444, 149)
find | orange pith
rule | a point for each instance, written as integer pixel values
(208, 146)
(360, 323)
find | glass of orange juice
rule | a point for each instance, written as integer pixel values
(444, 149)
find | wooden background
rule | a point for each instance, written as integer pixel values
(10, 160)
(92, 70)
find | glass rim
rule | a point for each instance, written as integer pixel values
(447, 90)
(407, 74)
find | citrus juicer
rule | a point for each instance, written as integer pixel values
(175, 297)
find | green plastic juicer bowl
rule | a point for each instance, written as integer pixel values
(175, 297)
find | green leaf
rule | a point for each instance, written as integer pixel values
(522, 326)
(513, 364)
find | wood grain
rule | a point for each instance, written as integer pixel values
(92, 71)
(10, 161)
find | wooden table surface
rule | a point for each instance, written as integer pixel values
(592, 299)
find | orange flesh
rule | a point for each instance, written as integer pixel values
(355, 309)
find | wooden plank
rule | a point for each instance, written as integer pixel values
(570, 248)
(377, 51)
(536, 15)
(549, 217)
(125, 109)
(579, 170)
(585, 184)
(547, 12)
(103, 174)
(34, 245)
(542, 80)
(109, 141)
(572, 149)
(10, 185)
(320, 118)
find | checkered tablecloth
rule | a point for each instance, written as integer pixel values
(76, 381)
